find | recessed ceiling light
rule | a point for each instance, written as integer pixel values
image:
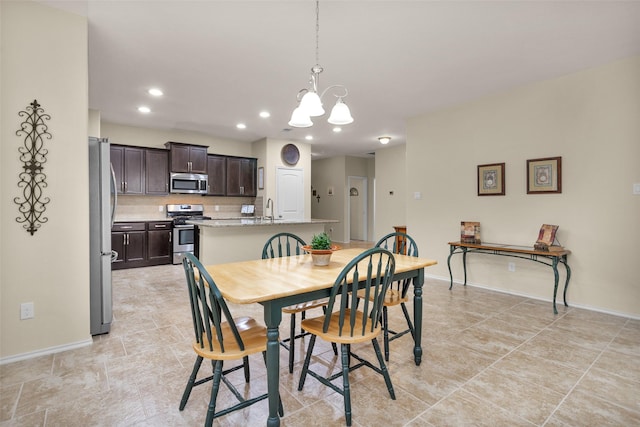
(155, 91)
(308, 137)
(144, 109)
(337, 129)
(241, 126)
(265, 114)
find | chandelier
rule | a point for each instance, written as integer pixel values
(310, 100)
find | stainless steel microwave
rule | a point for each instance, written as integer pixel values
(189, 183)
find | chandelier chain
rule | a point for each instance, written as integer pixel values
(317, 32)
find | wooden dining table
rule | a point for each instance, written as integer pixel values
(279, 282)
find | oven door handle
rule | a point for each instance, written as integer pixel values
(184, 226)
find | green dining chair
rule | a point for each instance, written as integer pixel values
(397, 243)
(219, 337)
(281, 245)
(346, 322)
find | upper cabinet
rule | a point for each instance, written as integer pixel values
(241, 176)
(128, 166)
(157, 172)
(217, 171)
(187, 158)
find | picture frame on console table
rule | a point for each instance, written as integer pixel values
(544, 175)
(491, 179)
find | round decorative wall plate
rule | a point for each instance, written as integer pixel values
(290, 154)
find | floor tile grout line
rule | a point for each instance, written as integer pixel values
(494, 363)
(584, 374)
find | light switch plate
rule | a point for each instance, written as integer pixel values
(417, 195)
(636, 188)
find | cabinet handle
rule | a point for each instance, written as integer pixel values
(125, 186)
(124, 239)
(169, 237)
(127, 239)
(126, 227)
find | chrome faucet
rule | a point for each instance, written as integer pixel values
(269, 205)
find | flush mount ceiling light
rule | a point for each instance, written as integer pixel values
(310, 101)
(144, 110)
(155, 92)
(384, 139)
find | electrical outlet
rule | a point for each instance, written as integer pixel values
(26, 311)
(216, 208)
(330, 230)
(160, 208)
(511, 266)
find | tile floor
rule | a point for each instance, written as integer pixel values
(490, 359)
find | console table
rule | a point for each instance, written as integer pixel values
(550, 258)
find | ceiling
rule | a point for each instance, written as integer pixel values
(222, 62)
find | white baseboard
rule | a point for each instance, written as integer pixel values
(45, 351)
(572, 305)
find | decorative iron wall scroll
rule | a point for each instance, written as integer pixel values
(32, 204)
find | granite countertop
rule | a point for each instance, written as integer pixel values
(141, 219)
(253, 222)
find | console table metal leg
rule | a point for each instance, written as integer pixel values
(566, 283)
(464, 264)
(556, 276)
(451, 251)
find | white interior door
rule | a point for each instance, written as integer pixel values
(357, 207)
(289, 193)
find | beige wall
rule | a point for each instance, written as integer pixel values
(589, 118)
(326, 173)
(44, 57)
(391, 184)
(333, 173)
(269, 156)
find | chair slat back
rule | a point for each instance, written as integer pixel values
(208, 308)
(399, 243)
(283, 244)
(372, 271)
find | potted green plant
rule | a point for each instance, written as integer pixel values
(321, 249)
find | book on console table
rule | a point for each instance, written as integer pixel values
(546, 238)
(469, 232)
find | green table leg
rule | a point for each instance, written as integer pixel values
(418, 281)
(272, 319)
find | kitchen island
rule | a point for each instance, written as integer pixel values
(231, 240)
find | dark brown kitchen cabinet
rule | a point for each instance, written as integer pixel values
(129, 240)
(128, 166)
(217, 172)
(160, 250)
(241, 176)
(187, 158)
(156, 172)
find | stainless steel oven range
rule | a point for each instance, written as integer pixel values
(184, 236)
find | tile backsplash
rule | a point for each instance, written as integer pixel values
(140, 208)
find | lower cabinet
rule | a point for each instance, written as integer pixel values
(141, 244)
(160, 250)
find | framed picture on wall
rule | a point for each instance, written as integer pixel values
(491, 179)
(544, 175)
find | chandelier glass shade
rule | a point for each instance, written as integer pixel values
(310, 100)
